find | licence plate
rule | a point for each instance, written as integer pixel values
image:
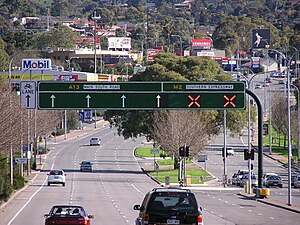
(56, 177)
(172, 221)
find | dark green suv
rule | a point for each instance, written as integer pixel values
(163, 206)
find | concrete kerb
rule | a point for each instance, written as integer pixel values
(274, 203)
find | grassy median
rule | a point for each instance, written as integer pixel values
(165, 162)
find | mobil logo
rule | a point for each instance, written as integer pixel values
(36, 64)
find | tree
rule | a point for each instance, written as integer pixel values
(56, 37)
(4, 57)
(169, 67)
(173, 129)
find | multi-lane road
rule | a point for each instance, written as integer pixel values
(117, 183)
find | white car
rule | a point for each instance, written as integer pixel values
(95, 141)
(230, 151)
(245, 178)
(56, 177)
(266, 175)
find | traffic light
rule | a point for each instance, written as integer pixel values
(248, 154)
(265, 129)
(223, 152)
(184, 151)
(181, 151)
(187, 151)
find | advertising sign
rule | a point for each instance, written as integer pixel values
(255, 61)
(151, 53)
(36, 64)
(260, 38)
(119, 42)
(209, 54)
(201, 44)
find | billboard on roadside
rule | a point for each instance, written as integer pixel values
(36, 64)
(260, 38)
(204, 43)
(151, 53)
(119, 43)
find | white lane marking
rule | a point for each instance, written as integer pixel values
(27, 202)
(136, 188)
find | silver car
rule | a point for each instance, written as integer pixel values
(245, 178)
(297, 182)
(86, 166)
(273, 180)
(95, 141)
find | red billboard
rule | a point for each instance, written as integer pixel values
(151, 53)
(202, 43)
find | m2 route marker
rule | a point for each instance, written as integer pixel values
(141, 95)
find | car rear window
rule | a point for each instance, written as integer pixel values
(167, 201)
(56, 172)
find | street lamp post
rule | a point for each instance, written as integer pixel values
(69, 62)
(48, 50)
(176, 35)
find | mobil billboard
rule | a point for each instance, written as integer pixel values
(36, 64)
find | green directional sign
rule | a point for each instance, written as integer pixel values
(141, 95)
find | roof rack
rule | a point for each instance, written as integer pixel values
(171, 187)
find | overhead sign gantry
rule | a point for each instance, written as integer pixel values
(141, 95)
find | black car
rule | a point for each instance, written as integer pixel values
(169, 206)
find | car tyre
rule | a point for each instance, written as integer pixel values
(280, 185)
(63, 184)
(48, 184)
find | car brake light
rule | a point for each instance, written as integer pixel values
(200, 220)
(146, 218)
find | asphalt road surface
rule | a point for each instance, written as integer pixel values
(117, 183)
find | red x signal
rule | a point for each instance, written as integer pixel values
(229, 101)
(194, 101)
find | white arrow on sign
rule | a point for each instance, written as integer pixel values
(27, 101)
(52, 100)
(88, 101)
(123, 100)
(158, 100)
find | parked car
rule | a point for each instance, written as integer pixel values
(67, 214)
(169, 206)
(266, 175)
(294, 177)
(273, 180)
(240, 174)
(86, 166)
(95, 141)
(56, 177)
(234, 179)
(245, 178)
(297, 182)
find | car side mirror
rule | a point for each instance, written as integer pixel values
(91, 216)
(46, 215)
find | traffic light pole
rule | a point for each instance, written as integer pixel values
(260, 136)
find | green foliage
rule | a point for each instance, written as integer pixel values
(19, 181)
(5, 187)
(56, 37)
